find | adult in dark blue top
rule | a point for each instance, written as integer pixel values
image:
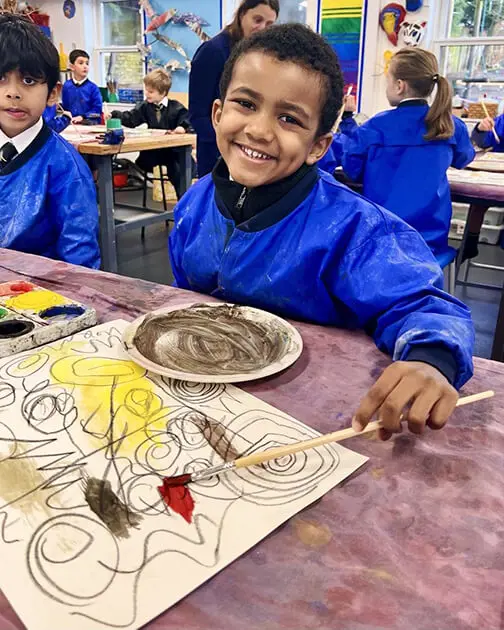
(269, 229)
(206, 70)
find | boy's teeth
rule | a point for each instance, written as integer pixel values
(255, 154)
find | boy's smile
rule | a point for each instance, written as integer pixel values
(267, 126)
(22, 101)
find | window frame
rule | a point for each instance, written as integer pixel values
(102, 49)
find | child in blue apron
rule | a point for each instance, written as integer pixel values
(267, 228)
(402, 155)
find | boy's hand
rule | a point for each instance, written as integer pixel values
(107, 116)
(179, 129)
(350, 103)
(487, 124)
(77, 119)
(409, 390)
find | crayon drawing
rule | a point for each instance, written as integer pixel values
(87, 535)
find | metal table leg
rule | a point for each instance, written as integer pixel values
(186, 167)
(106, 202)
(498, 342)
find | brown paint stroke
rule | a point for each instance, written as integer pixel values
(18, 478)
(213, 340)
(215, 435)
(109, 508)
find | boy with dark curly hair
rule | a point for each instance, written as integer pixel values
(270, 230)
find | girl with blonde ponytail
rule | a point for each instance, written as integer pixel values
(402, 155)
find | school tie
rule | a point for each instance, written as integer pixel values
(7, 153)
(159, 109)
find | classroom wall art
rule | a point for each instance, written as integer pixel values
(341, 25)
(413, 33)
(391, 18)
(175, 30)
(90, 538)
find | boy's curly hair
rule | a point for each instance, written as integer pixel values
(23, 47)
(297, 44)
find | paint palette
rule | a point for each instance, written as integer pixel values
(213, 343)
(31, 316)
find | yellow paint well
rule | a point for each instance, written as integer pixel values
(36, 300)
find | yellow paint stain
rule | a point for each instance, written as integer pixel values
(378, 473)
(36, 300)
(311, 533)
(106, 389)
(18, 477)
(380, 574)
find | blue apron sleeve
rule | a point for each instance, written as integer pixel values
(355, 151)
(176, 246)
(72, 203)
(95, 103)
(400, 301)
(463, 150)
(486, 139)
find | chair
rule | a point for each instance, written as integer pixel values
(145, 178)
(449, 259)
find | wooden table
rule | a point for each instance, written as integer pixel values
(414, 540)
(103, 154)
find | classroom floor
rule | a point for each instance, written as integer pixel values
(148, 259)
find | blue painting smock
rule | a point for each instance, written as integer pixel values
(405, 173)
(486, 139)
(323, 254)
(82, 100)
(206, 71)
(54, 122)
(334, 156)
(48, 203)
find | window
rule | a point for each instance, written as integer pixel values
(471, 48)
(120, 30)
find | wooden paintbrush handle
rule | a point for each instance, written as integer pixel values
(337, 436)
(496, 136)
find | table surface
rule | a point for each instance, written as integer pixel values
(414, 540)
(130, 144)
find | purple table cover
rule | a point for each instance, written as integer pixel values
(414, 540)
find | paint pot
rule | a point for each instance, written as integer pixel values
(3, 313)
(61, 313)
(15, 328)
(21, 287)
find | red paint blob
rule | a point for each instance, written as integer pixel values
(177, 498)
(21, 287)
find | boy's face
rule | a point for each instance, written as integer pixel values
(80, 68)
(152, 95)
(266, 127)
(22, 101)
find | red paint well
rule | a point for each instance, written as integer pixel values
(15, 288)
(178, 498)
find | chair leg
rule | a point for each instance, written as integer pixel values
(466, 269)
(144, 202)
(163, 191)
(452, 271)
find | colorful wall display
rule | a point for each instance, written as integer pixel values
(341, 25)
(175, 30)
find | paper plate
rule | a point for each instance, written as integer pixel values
(202, 344)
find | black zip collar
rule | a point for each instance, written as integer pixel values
(41, 138)
(258, 208)
(414, 102)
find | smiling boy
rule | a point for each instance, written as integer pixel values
(269, 229)
(47, 196)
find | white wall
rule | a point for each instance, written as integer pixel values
(373, 97)
(75, 33)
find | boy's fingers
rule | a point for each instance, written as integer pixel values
(443, 409)
(373, 400)
(391, 411)
(420, 410)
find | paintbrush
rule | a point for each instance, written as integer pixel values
(342, 111)
(290, 449)
(496, 135)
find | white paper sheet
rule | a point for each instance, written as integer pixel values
(77, 412)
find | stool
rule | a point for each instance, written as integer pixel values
(448, 259)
